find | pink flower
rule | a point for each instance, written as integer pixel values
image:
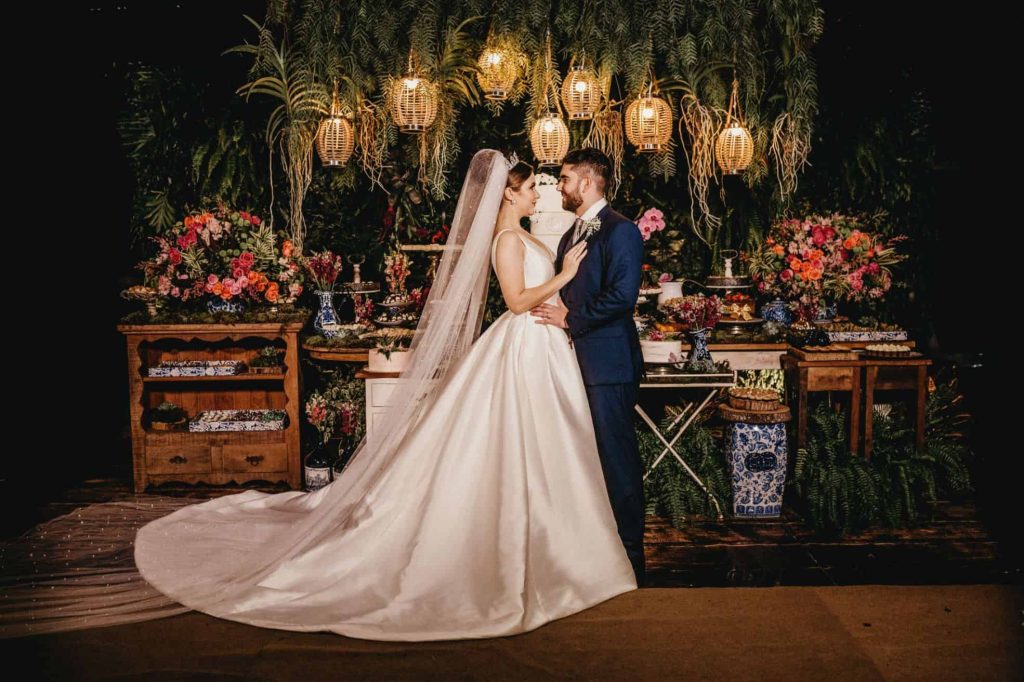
(247, 258)
(255, 220)
(664, 277)
(818, 236)
(239, 273)
(212, 279)
(176, 292)
(235, 264)
(164, 285)
(295, 290)
(236, 289)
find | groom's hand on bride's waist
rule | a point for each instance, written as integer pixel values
(551, 314)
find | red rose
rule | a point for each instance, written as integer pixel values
(255, 220)
(786, 275)
(235, 263)
(247, 259)
(175, 256)
(818, 235)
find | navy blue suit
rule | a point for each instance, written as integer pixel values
(601, 298)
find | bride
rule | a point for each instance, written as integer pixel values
(478, 510)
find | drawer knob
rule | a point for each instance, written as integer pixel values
(178, 459)
(253, 460)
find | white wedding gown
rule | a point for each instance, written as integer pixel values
(492, 520)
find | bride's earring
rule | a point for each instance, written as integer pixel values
(513, 201)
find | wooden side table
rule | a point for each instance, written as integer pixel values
(813, 376)
(899, 374)
(216, 457)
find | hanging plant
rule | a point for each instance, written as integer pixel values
(292, 126)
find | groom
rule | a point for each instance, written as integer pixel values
(599, 320)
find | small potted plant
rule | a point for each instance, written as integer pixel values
(168, 417)
(269, 360)
(391, 353)
(659, 347)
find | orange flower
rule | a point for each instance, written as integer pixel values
(218, 289)
(813, 273)
(286, 248)
(797, 265)
(770, 240)
(188, 221)
(778, 250)
(849, 243)
(272, 293)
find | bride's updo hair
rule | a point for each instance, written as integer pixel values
(518, 174)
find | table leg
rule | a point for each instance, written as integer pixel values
(670, 447)
(922, 401)
(855, 411)
(801, 407)
(870, 377)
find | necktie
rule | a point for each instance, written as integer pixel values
(577, 230)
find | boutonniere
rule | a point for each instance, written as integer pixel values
(590, 227)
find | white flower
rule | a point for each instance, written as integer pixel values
(590, 227)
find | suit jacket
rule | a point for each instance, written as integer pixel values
(601, 299)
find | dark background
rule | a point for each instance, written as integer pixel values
(872, 55)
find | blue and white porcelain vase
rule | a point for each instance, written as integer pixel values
(757, 453)
(777, 311)
(698, 359)
(219, 305)
(326, 321)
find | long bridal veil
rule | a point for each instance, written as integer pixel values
(78, 571)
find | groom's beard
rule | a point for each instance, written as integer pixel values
(570, 202)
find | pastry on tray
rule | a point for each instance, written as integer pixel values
(887, 350)
(754, 399)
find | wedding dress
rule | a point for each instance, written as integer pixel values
(484, 513)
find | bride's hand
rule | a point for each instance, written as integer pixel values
(573, 258)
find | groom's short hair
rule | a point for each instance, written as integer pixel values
(592, 161)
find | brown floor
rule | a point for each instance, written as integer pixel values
(783, 633)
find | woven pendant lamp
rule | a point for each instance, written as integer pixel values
(335, 138)
(649, 123)
(734, 149)
(413, 101)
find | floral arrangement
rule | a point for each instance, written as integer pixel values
(323, 268)
(805, 260)
(693, 312)
(650, 222)
(223, 254)
(396, 271)
(438, 236)
(338, 411)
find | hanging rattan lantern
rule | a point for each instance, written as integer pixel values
(335, 138)
(413, 101)
(649, 123)
(734, 148)
(498, 69)
(581, 93)
(549, 139)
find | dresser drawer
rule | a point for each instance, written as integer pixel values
(261, 457)
(178, 459)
